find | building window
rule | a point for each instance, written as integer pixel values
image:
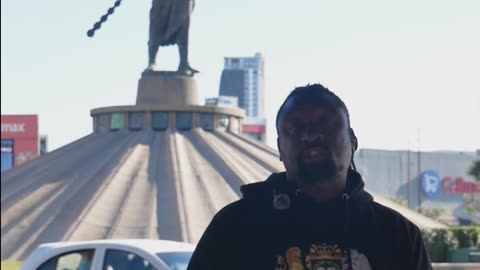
(117, 121)
(183, 120)
(206, 121)
(135, 120)
(159, 120)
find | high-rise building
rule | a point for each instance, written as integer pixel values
(243, 77)
(43, 144)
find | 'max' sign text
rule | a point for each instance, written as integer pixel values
(14, 128)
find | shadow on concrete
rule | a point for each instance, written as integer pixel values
(161, 172)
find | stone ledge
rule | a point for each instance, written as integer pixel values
(237, 112)
(456, 266)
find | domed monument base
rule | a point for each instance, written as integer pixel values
(163, 87)
(167, 100)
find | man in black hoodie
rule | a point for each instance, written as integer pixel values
(316, 215)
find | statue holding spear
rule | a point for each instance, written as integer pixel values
(169, 25)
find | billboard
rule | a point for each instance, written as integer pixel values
(20, 141)
(433, 185)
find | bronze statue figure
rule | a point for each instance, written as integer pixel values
(169, 25)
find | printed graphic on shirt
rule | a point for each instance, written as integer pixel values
(321, 257)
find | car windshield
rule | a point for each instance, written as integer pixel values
(176, 260)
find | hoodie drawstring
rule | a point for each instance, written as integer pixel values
(345, 198)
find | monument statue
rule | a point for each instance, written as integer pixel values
(169, 25)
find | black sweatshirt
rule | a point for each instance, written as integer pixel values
(275, 226)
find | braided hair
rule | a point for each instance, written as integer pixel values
(319, 91)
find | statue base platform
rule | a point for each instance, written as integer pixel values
(165, 87)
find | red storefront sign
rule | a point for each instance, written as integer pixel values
(20, 126)
(459, 185)
(23, 131)
(253, 128)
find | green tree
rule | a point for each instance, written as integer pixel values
(475, 170)
(472, 202)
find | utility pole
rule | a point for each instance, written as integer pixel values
(419, 171)
(409, 194)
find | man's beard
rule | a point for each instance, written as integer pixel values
(323, 171)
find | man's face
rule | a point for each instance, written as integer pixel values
(314, 139)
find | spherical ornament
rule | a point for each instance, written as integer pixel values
(281, 201)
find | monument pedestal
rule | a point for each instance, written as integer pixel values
(160, 87)
(166, 100)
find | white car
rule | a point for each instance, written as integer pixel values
(111, 254)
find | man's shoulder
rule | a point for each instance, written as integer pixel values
(237, 213)
(257, 197)
(245, 204)
(391, 217)
(235, 207)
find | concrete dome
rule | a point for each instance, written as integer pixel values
(128, 184)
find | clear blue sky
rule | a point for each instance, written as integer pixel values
(404, 68)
